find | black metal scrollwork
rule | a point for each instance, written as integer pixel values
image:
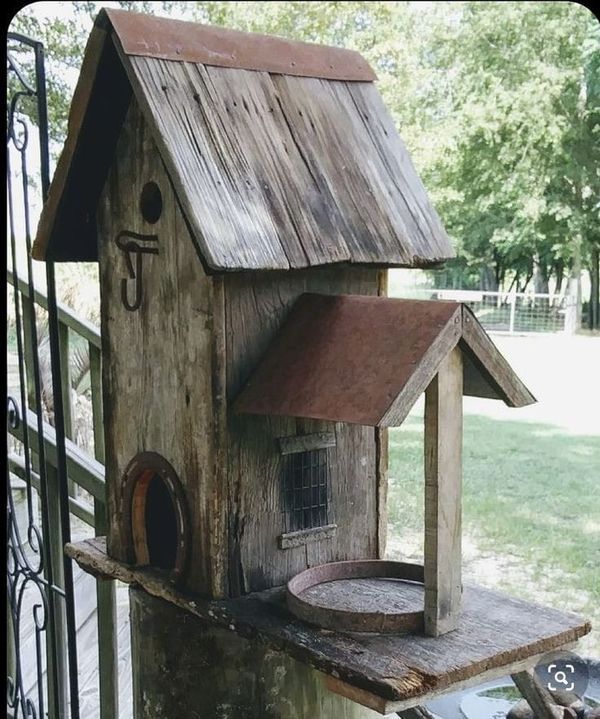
(41, 655)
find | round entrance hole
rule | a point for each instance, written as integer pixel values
(156, 517)
(151, 203)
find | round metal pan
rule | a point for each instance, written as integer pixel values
(368, 618)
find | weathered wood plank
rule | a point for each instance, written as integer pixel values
(386, 707)
(400, 173)
(303, 219)
(423, 371)
(496, 633)
(538, 697)
(325, 128)
(255, 308)
(96, 392)
(228, 222)
(304, 536)
(306, 442)
(161, 386)
(264, 173)
(382, 456)
(443, 492)
(381, 475)
(489, 361)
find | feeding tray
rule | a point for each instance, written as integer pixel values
(360, 596)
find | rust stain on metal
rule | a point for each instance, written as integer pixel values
(341, 619)
(135, 482)
(150, 36)
(344, 358)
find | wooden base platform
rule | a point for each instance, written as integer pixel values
(497, 635)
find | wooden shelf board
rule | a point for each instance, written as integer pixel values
(497, 635)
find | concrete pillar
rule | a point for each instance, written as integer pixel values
(184, 669)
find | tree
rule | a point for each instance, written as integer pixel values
(525, 140)
(498, 103)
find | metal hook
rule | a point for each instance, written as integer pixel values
(137, 278)
(129, 247)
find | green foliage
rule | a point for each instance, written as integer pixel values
(498, 103)
(524, 166)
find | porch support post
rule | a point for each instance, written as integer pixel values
(443, 484)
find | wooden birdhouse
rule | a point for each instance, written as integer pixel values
(243, 196)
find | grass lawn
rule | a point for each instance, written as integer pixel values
(531, 509)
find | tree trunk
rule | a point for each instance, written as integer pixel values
(527, 281)
(184, 669)
(573, 309)
(540, 277)
(488, 280)
(594, 311)
(559, 269)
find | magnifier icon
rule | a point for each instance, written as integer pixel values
(560, 678)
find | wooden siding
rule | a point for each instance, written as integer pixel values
(255, 307)
(161, 370)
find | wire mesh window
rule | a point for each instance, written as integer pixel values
(306, 489)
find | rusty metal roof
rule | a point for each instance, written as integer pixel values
(348, 358)
(151, 36)
(281, 154)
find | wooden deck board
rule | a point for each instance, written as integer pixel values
(495, 633)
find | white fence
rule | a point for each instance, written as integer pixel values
(514, 312)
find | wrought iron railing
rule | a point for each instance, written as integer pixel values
(50, 480)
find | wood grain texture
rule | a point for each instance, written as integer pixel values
(304, 536)
(424, 369)
(306, 442)
(161, 384)
(255, 307)
(443, 493)
(382, 456)
(496, 633)
(276, 171)
(491, 364)
(537, 695)
(272, 170)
